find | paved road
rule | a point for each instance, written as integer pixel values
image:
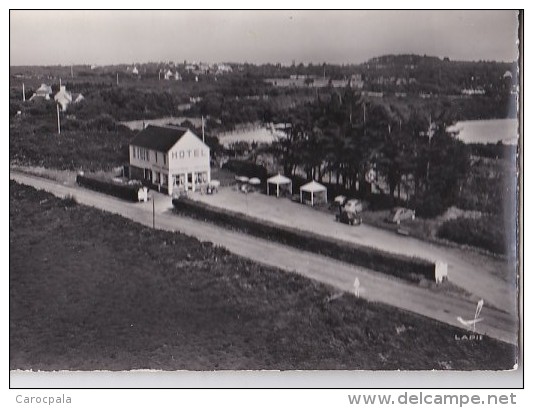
(374, 286)
(479, 274)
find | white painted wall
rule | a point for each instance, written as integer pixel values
(188, 156)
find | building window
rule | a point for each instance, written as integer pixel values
(140, 153)
(156, 156)
(182, 154)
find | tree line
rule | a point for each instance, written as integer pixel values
(352, 142)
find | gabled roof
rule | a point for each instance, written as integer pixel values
(44, 89)
(158, 138)
(313, 187)
(279, 179)
(63, 95)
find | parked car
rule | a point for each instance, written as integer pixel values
(349, 217)
(354, 205)
(349, 211)
(399, 214)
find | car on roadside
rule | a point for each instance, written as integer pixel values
(348, 217)
(349, 211)
(353, 205)
(399, 214)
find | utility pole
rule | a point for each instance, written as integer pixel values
(58, 122)
(364, 118)
(430, 135)
(153, 212)
(71, 71)
(23, 93)
(203, 130)
(59, 83)
(117, 78)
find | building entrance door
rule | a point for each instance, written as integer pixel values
(148, 175)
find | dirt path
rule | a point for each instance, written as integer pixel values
(374, 286)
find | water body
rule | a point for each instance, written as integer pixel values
(168, 120)
(258, 135)
(487, 131)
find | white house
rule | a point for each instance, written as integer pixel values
(44, 91)
(63, 97)
(170, 159)
(168, 74)
(224, 69)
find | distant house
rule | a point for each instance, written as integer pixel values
(224, 69)
(170, 159)
(44, 92)
(77, 97)
(168, 74)
(63, 97)
(135, 71)
(204, 68)
(356, 81)
(401, 81)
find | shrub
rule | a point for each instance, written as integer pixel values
(429, 205)
(408, 268)
(123, 191)
(246, 168)
(69, 201)
(487, 232)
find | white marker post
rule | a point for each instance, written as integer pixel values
(356, 287)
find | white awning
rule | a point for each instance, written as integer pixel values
(279, 179)
(313, 187)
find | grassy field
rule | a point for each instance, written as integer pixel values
(91, 290)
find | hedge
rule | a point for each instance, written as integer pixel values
(124, 191)
(487, 232)
(409, 268)
(245, 168)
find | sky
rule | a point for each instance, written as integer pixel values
(112, 37)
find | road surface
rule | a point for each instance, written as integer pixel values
(479, 274)
(373, 286)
